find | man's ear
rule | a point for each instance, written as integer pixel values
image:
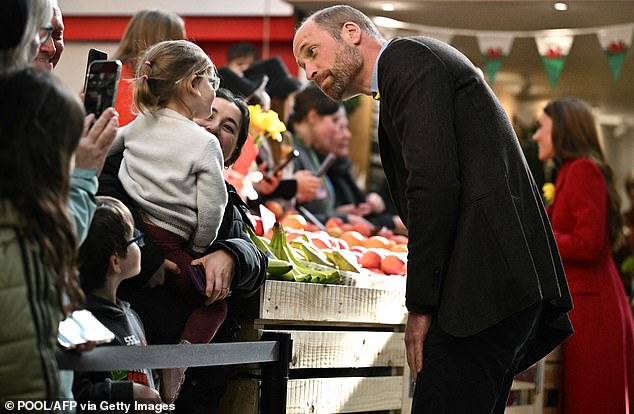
(351, 33)
(114, 264)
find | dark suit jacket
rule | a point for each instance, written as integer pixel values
(480, 245)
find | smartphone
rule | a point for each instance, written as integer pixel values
(102, 81)
(290, 157)
(80, 327)
(326, 164)
(198, 277)
(93, 54)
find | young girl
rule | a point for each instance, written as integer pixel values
(172, 169)
(109, 255)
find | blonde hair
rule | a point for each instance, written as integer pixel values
(162, 74)
(39, 14)
(145, 29)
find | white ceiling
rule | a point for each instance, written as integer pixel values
(586, 73)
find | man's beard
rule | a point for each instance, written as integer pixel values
(348, 62)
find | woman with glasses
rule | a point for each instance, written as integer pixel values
(25, 28)
(172, 170)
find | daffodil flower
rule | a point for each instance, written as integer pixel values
(265, 123)
(548, 191)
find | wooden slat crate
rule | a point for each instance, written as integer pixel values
(336, 330)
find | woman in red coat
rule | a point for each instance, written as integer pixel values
(598, 359)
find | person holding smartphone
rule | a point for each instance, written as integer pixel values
(96, 138)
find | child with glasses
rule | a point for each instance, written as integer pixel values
(172, 170)
(109, 255)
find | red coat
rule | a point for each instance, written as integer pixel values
(598, 360)
(125, 100)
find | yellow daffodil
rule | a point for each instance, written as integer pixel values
(265, 123)
(548, 190)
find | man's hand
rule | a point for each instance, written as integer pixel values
(96, 140)
(415, 334)
(219, 269)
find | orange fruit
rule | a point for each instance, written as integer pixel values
(353, 238)
(294, 221)
(378, 241)
(370, 259)
(399, 248)
(393, 265)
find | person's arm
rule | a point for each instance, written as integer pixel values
(585, 193)
(417, 92)
(211, 197)
(81, 202)
(99, 386)
(89, 158)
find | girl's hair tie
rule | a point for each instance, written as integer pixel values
(147, 62)
(145, 77)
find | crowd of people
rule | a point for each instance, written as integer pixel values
(113, 214)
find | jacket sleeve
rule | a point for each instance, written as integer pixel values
(211, 197)
(99, 386)
(82, 205)
(417, 95)
(585, 192)
(251, 263)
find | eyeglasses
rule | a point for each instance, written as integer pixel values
(44, 34)
(214, 80)
(137, 238)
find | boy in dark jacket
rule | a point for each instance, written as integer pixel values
(109, 255)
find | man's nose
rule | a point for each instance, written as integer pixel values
(311, 72)
(48, 47)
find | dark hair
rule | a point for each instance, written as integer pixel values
(244, 126)
(332, 19)
(110, 228)
(242, 49)
(309, 98)
(574, 135)
(41, 122)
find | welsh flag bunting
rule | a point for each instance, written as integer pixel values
(494, 47)
(615, 43)
(554, 49)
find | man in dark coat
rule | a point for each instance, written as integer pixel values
(486, 291)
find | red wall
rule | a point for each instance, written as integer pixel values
(214, 34)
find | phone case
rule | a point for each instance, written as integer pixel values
(198, 277)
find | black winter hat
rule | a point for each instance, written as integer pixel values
(281, 82)
(239, 85)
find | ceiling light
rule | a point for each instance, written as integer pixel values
(387, 6)
(388, 22)
(560, 6)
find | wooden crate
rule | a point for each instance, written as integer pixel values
(348, 351)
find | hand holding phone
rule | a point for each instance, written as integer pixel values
(290, 157)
